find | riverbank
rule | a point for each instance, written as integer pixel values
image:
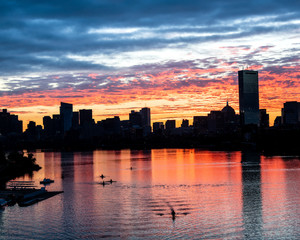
(272, 141)
(16, 164)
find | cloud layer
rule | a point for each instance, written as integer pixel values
(184, 54)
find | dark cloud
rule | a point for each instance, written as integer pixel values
(40, 36)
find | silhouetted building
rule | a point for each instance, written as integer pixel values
(158, 127)
(86, 117)
(57, 124)
(170, 124)
(278, 121)
(125, 124)
(146, 121)
(48, 126)
(291, 113)
(66, 115)
(146, 117)
(231, 120)
(75, 120)
(140, 120)
(263, 118)
(229, 114)
(9, 123)
(200, 124)
(110, 126)
(31, 126)
(248, 97)
(87, 124)
(125, 128)
(185, 123)
(215, 121)
(33, 131)
(135, 119)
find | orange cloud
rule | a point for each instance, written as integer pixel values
(184, 92)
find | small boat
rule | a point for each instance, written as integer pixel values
(102, 176)
(3, 202)
(110, 181)
(103, 183)
(47, 181)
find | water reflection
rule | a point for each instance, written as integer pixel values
(216, 195)
(252, 199)
(66, 161)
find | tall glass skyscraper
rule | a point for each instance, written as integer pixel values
(66, 114)
(248, 97)
(146, 117)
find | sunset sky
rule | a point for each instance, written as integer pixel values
(180, 58)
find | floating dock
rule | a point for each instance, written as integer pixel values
(25, 194)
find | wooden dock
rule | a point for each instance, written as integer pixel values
(25, 194)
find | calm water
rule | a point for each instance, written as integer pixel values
(216, 195)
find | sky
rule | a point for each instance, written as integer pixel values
(180, 58)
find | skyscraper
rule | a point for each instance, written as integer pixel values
(66, 115)
(86, 117)
(10, 123)
(135, 119)
(291, 113)
(146, 117)
(264, 119)
(248, 97)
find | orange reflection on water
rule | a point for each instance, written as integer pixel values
(222, 193)
(186, 166)
(280, 183)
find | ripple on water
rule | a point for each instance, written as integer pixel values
(221, 200)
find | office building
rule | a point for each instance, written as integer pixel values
(263, 118)
(185, 123)
(278, 121)
(66, 115)
(75, 120)
(200, 124)
(170, 124)
(291, 113)
(10, 123)
(110, 126)
(158, 127)
(135, 119)
(248, 97)
(48, 126)
(57, 124)
(146, 117)
(215, 121)
(86, 117)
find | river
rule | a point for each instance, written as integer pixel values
(215, 195)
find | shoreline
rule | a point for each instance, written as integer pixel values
(200, 148)
(15, 165)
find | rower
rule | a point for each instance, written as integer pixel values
(173, 214)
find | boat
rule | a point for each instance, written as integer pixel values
(46, 181)
(103, 183)
(3, 202)
(110, 181)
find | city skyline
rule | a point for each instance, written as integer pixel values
(290, 115)
(249, 92)
(180, 58)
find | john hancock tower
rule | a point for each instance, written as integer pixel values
(248, 97)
